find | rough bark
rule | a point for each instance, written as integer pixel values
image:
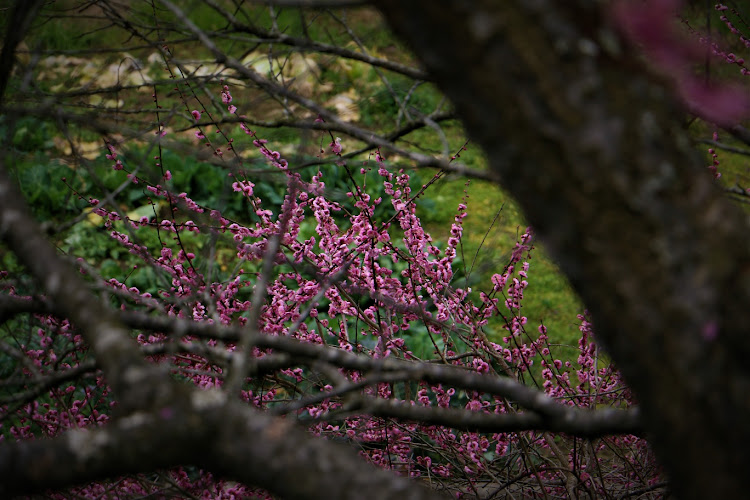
(592, 149)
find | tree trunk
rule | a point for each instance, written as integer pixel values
(593, 150)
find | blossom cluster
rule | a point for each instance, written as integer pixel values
(345, 277)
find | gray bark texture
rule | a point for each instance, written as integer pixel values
(593, 150)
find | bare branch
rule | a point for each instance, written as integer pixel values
(272, 88)
(525, 396)
(314, 46)
(592, 423)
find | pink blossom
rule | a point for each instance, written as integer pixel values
(335, 146)
(226, 97)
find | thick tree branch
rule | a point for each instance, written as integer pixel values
(548, 414)
(135, 383)
(592, 423)
(225, 437)
(548, 409)
(590, 146)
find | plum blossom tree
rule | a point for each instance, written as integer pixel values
(266, 335)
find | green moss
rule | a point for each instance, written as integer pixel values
(493, 225)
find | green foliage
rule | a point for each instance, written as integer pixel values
(62, 34)
(65, 29)
(29, 134)
(40, 182)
